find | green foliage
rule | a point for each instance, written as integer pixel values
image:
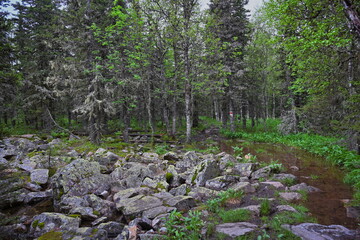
(288, 181)
(161, 149)
(169, 177)
(236, 215)
(265, 207)
(52, 235)
(216, 203)
(181, 227)
(238, 151)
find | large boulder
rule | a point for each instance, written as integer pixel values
(39, 176)
(131, 175)
(11, 188)
(206, 170)
(135, 206)
(222, 182)
(78, 178)
(313, 231)
(236, 229)
(46, 222)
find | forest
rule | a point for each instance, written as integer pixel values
(101, 66)
(115, 113)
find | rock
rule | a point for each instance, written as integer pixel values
(11, 188)
(353, 211)
(171, 156)
(190, 160)
(283, 176)
(39, 176)
(112, 228)
(276, 185)
(244, 169)
(14, 231)
(304, 187)
(261, 173)
(132, 174)
(313, 231)
(236, 229)
(98, 221)
(33, 197)
(151, 236)
(46, 222)
(78, 178)
(149, 157)
(154, 212)
(32, 187)
(84, 233)
(135, 206)
(143, 224)
(182, 203)
(101, 207)
(246, 187)
(181, 190)
(285, 208)
(222, 182)
(290, 196)
(255, 209)
(206, 170)
(131, 192)
(202, 193)
(105, 157)
(67, 203)
(294, 168)
(225, 159)
(86, 213)
(73, 153)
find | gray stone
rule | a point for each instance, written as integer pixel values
(181, 190)
(33, 187)
(206, 170)
(285, 208)
(33, 197)
(112, 228)
(202, 193)
(135, 206)
(67, 203)
(85, 233)
(151, 236)
(290, 196)
(45, 222)
(225, 159)
(255, 209)
(39, 176)
(283, 176)
(244, 169)
(182, 203)
(313, 231)
(104, 207)
(131, 192)
(236, 229)
(171, 156)
(98, 221)
(154, 212)
(246, 187)
(222, 182)
(276, 185)
(261, 173)
(86, 213)
(304, 187)
(78, 178)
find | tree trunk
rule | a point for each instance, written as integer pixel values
(231, 116)
(352, 16)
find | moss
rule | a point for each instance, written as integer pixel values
(52, 171)
(159, 185)
(34, 153)
(52, 235)
(75, 215)
(41, 225)
(35, 223)
(97, 213)
(169, 177)
(94, 230)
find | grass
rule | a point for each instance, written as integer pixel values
(265, 207)
(214, 205)
(236, 215)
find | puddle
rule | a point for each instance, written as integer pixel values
(328, 205)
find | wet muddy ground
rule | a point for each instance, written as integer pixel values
(328, 206)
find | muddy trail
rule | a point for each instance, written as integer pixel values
(329, 205)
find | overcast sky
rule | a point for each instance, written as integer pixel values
(253, 4)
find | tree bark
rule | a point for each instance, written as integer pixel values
(353, 17)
